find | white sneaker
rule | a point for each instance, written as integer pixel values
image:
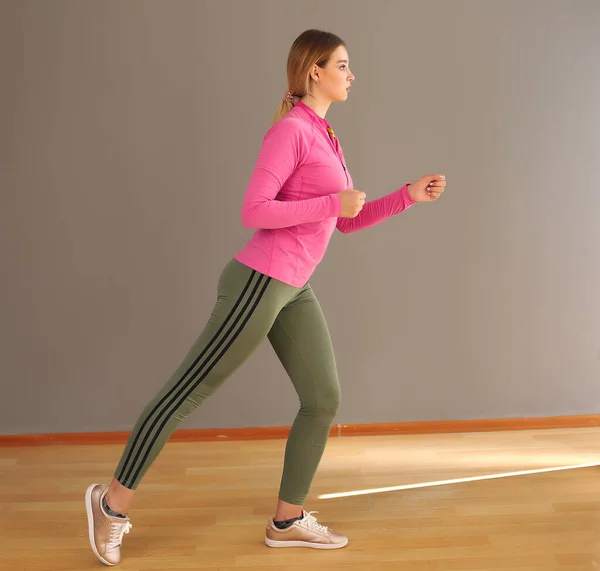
(305, 532)
(105, 532)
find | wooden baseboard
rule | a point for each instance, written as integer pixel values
(338, 430)
(475, 425)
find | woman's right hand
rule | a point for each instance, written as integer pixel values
(352, 202)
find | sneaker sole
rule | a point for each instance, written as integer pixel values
(274, 543)
(90, 518)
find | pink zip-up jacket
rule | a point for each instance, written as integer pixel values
(292, 199)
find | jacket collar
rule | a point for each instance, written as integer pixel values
(323, 124)
(310, 114)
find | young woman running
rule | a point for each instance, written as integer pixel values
(299, 192)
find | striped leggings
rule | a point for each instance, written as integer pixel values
(250, 306)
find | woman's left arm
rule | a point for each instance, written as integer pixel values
(425, 189)
(378, 210)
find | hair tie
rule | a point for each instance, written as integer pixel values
(288, 97)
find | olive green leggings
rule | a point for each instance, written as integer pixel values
(249, 308)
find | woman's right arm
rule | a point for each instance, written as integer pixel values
(283, 149)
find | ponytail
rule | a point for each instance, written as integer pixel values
(285, 106)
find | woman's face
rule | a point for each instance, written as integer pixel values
(333, 80)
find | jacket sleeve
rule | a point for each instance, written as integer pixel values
(378, 210)
(284, 148)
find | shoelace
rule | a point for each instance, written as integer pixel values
(309, 521)
(117, 530)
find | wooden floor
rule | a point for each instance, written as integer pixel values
(204, 505)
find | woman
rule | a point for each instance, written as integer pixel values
(300, 191)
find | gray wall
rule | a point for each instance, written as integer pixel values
(129, 131)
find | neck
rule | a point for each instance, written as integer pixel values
(319, 106)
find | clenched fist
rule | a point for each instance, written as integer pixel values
(427, 188)
(352, 202)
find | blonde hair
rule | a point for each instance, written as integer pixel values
(310, 48)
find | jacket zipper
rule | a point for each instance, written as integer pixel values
(332, 144)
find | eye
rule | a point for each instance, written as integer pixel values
(342, 67)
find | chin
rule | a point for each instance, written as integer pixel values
(341, 97)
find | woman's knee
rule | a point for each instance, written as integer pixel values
(327, 401)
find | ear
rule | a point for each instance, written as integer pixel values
(314, 73)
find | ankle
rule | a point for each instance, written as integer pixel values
(285, 517)
(286, 511)
(114, 510)
(285, 523)
(118, 497)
